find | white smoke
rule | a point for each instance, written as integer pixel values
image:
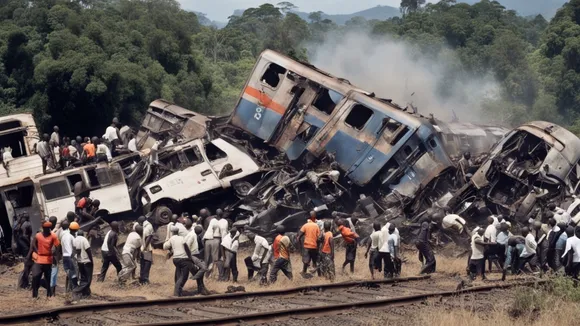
(395, 70)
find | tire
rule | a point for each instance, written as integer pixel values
(242, 188)
(162, 215)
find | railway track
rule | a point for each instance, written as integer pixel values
(255, 306)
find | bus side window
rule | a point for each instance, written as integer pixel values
(272, 75)
(56, 190)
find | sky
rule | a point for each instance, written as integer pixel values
(220, 10)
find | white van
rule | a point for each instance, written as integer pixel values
(105, 182)
(198, 168)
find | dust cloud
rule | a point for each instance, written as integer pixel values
(397, 70)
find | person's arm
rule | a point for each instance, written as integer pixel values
(112, 243)
(167, 245)
(148, 241)
(89, 252)
(299, 236)
(33, 248)
(368, 248)
(222, 252)
(331, 242)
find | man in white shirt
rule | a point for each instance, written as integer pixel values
(477, 259)
(182, 259)
(212, 240)
(103, 152)
(373, 247)
(453, 222)
(258, 261)
(113, 135)
(146, 250)
(130, 253)
(572, 255)
(180, 223)
(229, 247)
(394, 243)
(384, 254)
(132, 145)
(85, 263)
(529, 253)
(67, 245)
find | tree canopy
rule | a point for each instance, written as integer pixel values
(77, 64)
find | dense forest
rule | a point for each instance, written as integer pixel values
(77, 64)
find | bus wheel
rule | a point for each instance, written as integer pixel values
(162, 215)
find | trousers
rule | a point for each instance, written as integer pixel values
(108, 259)
(85, 280)
(182, 268)
(427, 253)
(281, 264)
(38, 271)
(129, 267)
(71, 273)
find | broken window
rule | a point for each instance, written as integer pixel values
(192, 156)
(214, 153)
(116, 174)
(389, 173)
(73, 179)
(56, 190)
(98, 177)
(325, 101)
(272, 75)
(359, 116)
(171, 161)
(308, 133)
(20, 197)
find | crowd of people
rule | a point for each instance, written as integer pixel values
(58, 152)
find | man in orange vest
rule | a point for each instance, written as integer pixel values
(351, 239)
(311, 234)
(41, 252)
(281, 249)
(327, 253)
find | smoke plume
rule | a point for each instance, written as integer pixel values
(399, 71)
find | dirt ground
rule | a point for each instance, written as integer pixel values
(13, 300)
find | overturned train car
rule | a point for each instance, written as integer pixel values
(533, 164)
(308, 115)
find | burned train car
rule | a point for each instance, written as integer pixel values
(165, 120)
(533, 164)
(307, 114)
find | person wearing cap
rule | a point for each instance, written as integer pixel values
(41, 252)
(309, 236)
(146, 250)
(327, 253)
(110, 252)
(85, 264)
(281, 253)
(67, 245)
(130, 253)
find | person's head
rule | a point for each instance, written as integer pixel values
(46, 228)
(139, 230)
(74, 227)
(174, 218)
(70, 216)
(313, 215)
(219, 213)
(55, 129)
(115, 226)
(537, 225)
(115, 122)
(204, 213)
(552, 206)
(327, 226)
(174, 230)
(53, 220)
(552, 222)
(570, 231)
(65, 224)
(251, 236)
(73, 142)
(95, 140)
(79, 139)
(87, 140)
(500, 218)
(340, 222)
(503, 227)
(198, 229)
(490, 220)
(280, 229)
(480, 231)
(376, 226)
(233, 232)
(525, 231)
(467, 155)
(334, 214)
(45, 137)
(392, 228)
(188, 223)
(141, 220)
(96, 203)
(562, 226)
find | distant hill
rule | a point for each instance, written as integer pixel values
(546, 8)
(202, 18)
(378, 12)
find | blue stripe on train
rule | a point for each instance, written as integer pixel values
(257, 120)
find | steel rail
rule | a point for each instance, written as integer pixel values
(322, 310)
(55, 312)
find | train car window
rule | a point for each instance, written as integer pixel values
(359, 116)
(272, 75)
(324, 102)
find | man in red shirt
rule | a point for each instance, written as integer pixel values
(351, 239)
(311, 234)
(327, 253)
(41, 252)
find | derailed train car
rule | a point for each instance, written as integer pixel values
(308, 115)
(533, 164)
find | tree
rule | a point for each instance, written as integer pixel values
(286, 7)
(408, 6)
